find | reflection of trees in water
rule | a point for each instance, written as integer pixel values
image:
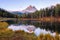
(54, 26)
(11, 22)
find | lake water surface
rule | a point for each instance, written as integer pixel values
(41, 27)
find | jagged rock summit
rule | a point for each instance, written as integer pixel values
(29, 9)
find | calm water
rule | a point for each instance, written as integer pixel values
(52, 26)
(37, 31)
(41, 27)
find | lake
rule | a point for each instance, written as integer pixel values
(52, 26)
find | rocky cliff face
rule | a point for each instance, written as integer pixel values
(29, 9)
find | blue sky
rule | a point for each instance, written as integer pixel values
(15, 5)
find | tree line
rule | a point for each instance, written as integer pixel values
(7, 14)
(45, 12)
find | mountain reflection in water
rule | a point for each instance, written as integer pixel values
(37, 31)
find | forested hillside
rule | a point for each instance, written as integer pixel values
(6, 14)
(45, 12)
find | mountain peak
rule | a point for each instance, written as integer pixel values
(30, 6)
(30, 9)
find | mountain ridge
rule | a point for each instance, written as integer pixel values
(29, 9)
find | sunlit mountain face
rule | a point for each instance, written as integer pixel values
(29, 9)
